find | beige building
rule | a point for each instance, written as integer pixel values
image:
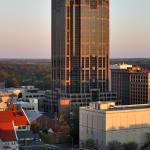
(105, 122)
(4, 97)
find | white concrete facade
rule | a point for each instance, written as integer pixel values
(9, 145)
(105, 123)
(28, 104)
(121, 66)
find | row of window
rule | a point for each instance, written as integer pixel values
(35, 96)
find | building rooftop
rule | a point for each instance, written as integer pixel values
(25, 101)
(7, 132)
(17, 116)
(121, 66)
(110, 106)
(129, 68)
(33, 115)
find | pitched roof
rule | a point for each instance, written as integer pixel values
(17, 116)
(7, 132)
(33, 115)
(9, 119)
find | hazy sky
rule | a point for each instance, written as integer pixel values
(25, 28)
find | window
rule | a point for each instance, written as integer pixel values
(68, 37)
(87, 62)
(68, 10)
(67, 49)
(67, 63)
(82, 62)
(82, 74)
(67, 74)
(93, 4)
(87, 75)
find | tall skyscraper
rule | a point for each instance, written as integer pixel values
(80, 50)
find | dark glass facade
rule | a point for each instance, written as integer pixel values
(131, 87)
(80, 46)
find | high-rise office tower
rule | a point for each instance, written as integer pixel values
(80, 50)
(131, 84)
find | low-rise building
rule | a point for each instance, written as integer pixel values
(8, 138)
(105, 122)
(44, 120)
(28, 104)
(12, 121)
(30, 92)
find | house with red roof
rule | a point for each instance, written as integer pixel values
(8, 136)
(12, 121)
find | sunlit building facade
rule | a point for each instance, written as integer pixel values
(80, 48)
(104, 122)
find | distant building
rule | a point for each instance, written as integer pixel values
(121, 66)
(28, 104)
(27, 92)
(105, 122)
(131, 84)
(30, 92)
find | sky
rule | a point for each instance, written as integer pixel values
(25, 28)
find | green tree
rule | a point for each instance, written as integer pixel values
(147, 136)
(114, 145)
(130, 146)
(47, 138)
(90, 143)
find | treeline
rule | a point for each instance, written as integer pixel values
(38, 75)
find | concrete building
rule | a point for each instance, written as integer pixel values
(30, 92)
(28, 104)
(105, 122)
(23, 93)
(131, 84)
